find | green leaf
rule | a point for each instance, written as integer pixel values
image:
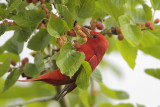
(11, 79)
(13, 6)
(97, 75)
(24, 33)
(111, 8)
(132, 33)
(63, 11)
(155, 4)
(5, 66)
(83, 95)
(3, 28)
(153, 72)
(128, 52)
(34, 69)
(56, 27)
(30, 69)
(13, 46)
(119, 95)
(28, 18)
(82, 80)
(40, 40)
(119, 105)
(148, 12)
(69, 60)
(110, 22)
(3, 57)
(85, 8)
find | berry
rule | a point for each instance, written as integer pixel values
(82, 34)
(71, 33)
(10, 23)
(13, 62)
(118, 30)
(151, 27)
(34, 1)
(120, 36)
(94, 21)
(46, 10)
(77, 45)
(94, 92)
(55, 16)
(148, 23)
(77, 27)
(5, 21)
(63, 38)
(85, 39)
(59, 41)
(29, 1)
(156, 21)
(113, 30)
(43, 6)
(99, 26)
(93, 26)
(48, 15)
(24, 61)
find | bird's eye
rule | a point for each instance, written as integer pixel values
(94, 36)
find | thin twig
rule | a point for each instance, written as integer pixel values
(42, 99)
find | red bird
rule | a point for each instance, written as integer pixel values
(94, 50)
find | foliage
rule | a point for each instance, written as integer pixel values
(36, 25)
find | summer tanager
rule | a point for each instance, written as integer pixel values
(94, 50)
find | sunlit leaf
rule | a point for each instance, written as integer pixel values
(97, 75)
(5, 66)
(153, 72)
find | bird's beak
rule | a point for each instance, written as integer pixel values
(86, 31)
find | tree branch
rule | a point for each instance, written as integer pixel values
(42, 99)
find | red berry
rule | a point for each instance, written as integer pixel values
(59, 41)
(5, 21)
(94, 21)
(151, 27)
(24, 61)
(156, 21)
(82, 34)
(118, 30)
(63, 38)
(71, 33)
(113, 30)
(120, 36)
(99, 26)
(148, 23)
(29, 1)
(93, 26)
(77, 45)
(55, 16)
(10, 23)
(13, 62)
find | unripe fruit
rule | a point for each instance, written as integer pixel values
(10, 23)
(148, 23)
(29, 1)
(93, 21)
(99, 26)
(34, 1)
(71, 33)
(109, 33)
(63, 38)
(113, 30)
(59, 41)
(77, 27)
(43, 6)
(85, 39)
(24, 61)
(120, 36)
(95, 92)
(151, 27)
(156, 21)
(46, 10)
(13, 62)
(82, 34)
(93, 26)
(77, 45)
(118, 30)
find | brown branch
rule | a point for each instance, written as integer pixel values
(42, 99)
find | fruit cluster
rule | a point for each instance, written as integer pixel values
(8, 22)
(94, 24)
